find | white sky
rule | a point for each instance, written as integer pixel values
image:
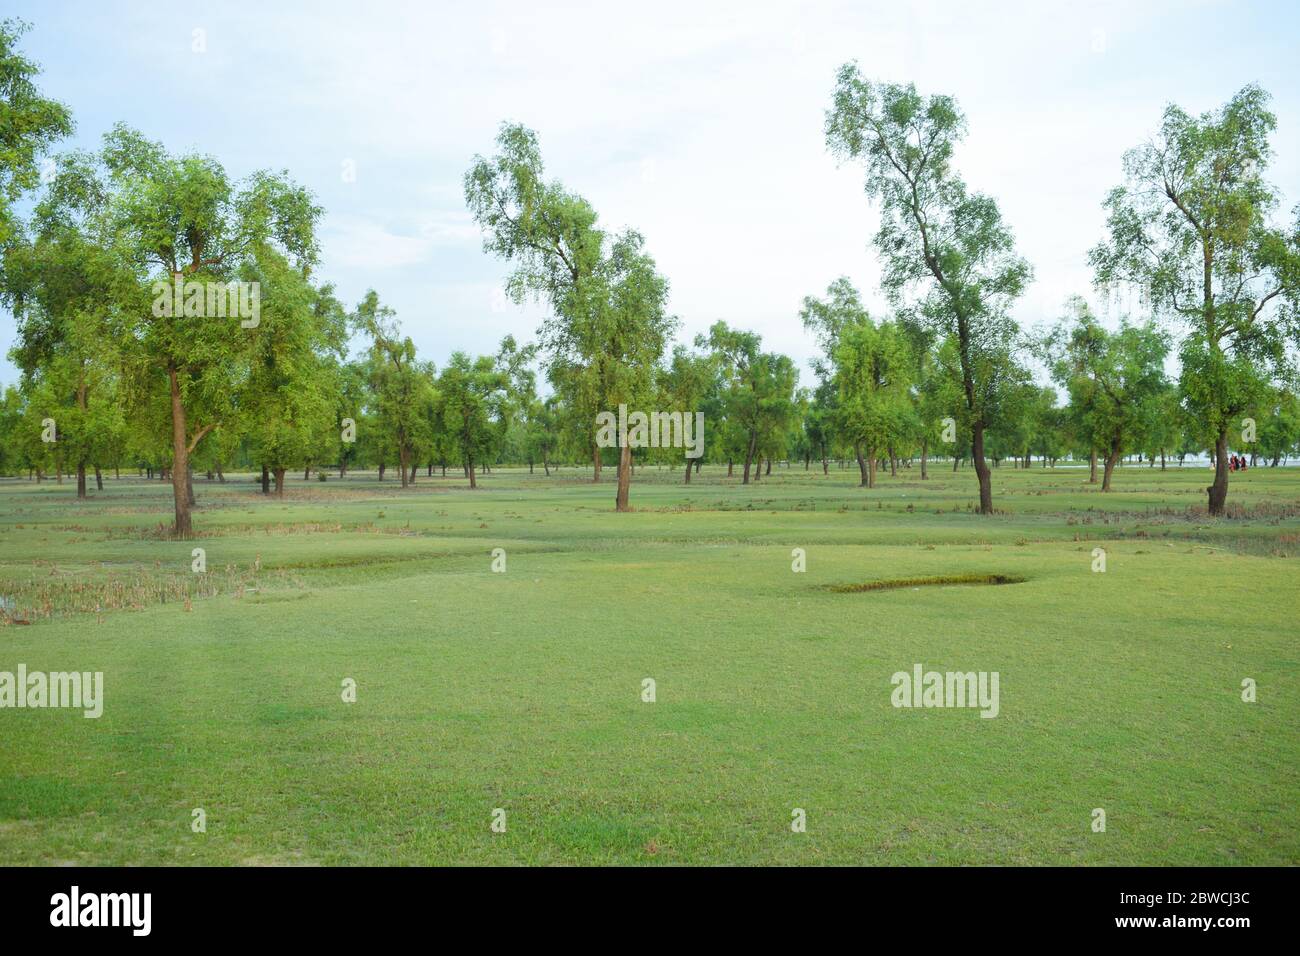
(700, 124)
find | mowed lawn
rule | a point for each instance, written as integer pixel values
(522, 690)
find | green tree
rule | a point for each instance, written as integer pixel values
(1191, 229)
(182, 220)
(609, 325)
(1279, 428)
(757, 396)
(873, 375)
(949, 260)
(29, 125)
(61, 284)
(472, 396)
(1117, 377)
(289, 407)
(399, 386)
(521, 409)
(684, 386)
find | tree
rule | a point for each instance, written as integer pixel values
(820, 415)
(684, 386)
(1190, 229)
(1116, 379)
(521, 408)
(1073, 351)
(609, 324)
(1161, 426)
(1279, 429)
(873, 375)
(29, 125)
(935, 236)
(13, 455)
(758, 391)
(289, 410)
(61, 285)
(349, 418)
(472, 395)
(827, 318)
(399, 385)
(185, 225)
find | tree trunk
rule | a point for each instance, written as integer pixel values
(595, 464)
(99, 479)
(469, 470)
(81, 479)
(925, 448)
(402, 456)
(382, 467)
(266, 480)
(279, 482)
(893, 463)
(982, 469)
(180, 459)
(862, 465)
(690, 463)
(624, 478)
(749, 456)
(1219, 490)
(1111, 460)
(730, 467)
(306, 473)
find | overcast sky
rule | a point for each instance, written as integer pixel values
(699, 124)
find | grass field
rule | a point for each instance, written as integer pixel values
(522, 690)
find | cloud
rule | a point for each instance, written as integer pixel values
(699, 126)
(350, 242)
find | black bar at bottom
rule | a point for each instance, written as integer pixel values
(338, 905)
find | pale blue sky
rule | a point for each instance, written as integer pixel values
(699, 124)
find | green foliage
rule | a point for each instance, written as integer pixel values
(757, 395)
(949, 261)
(1191, 229)
(473, 394)
(29, 125)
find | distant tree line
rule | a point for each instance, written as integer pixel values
(114, 269)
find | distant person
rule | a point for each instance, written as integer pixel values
(1241, 465)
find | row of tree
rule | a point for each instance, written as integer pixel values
(111, 379)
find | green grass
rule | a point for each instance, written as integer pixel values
(478, 690)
